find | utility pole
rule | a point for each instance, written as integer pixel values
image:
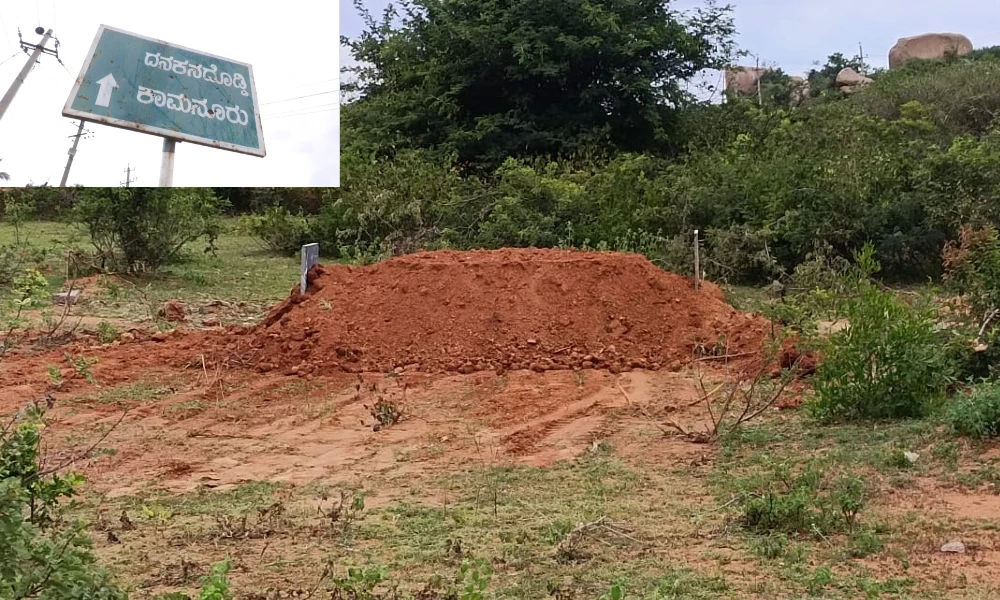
(38, 49)
(128, 176)
(759, 74)
(80, 133)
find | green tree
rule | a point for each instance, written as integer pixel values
(141, 229)
(491, 79)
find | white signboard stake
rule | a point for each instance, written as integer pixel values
(310, 256)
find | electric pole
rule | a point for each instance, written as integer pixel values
(128, 176)
(80, 133)
(37, 50)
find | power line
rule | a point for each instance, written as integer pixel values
(288, 112)
(9, 58)
(310, 84)
(302, 114)
(10, 46)
(300, 97)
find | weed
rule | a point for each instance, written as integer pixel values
(898, 459)
(819, 580)
(977, 414)
(252, 524)
(782, 501)
(947, 452)
(106, 332)
(55, 377)
(769, 546)
(386, 406)
(81, 365)
(864, 543)
(343, 513)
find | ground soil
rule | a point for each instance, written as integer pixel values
(501, 310)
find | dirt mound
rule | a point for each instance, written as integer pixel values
(505, 310)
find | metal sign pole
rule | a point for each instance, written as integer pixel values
(167, 164)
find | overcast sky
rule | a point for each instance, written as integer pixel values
(291, 46)
(794, 33)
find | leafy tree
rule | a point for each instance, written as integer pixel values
(141, 229)
(823, 81)
(491, 79)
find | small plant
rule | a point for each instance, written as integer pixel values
(888, 364)
(386, 408)
(106, 332)
(770, 546)
(617, 592)
(780, 500)
(849, 494)
(474, 579)
(977, 414)
(252, 524)
(864, 543)
(343, 513)
(820, 579)
(55, 377)
(81, 365)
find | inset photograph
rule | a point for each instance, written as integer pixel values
(114, 93)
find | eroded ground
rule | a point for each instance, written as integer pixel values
(564, 481)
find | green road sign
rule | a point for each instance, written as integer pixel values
(148, 85)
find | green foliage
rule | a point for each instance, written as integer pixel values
(489, 80)
(278, 230)
(142, 229)
(823, 81)
(106, 332)
(41, 554)
(781, 500)
(977, 414)
(888, 364)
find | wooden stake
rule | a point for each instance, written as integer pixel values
(697, 262)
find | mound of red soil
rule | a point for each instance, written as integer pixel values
(505, 310)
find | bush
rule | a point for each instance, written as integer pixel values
(41, 554)
(278, 230)
(142, 229)
(809, 501)
(888, 364)
(977, 414)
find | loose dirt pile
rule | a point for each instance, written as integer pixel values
(500, 310)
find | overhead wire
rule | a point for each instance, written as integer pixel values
(9, 58)
(295, 110)
(309, 84)
(299, 97)
(6, 33)
(284, 116)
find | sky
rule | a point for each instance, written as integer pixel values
(290, 45)
(793, 34)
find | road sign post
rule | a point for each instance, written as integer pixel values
(167, 163)
(155, 87)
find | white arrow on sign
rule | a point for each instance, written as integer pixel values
(107, 84)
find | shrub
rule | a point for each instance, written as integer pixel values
(888, 364)
(142, 229)
(809, 501)
(42, 555)
(978, 413)
(278, 229)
